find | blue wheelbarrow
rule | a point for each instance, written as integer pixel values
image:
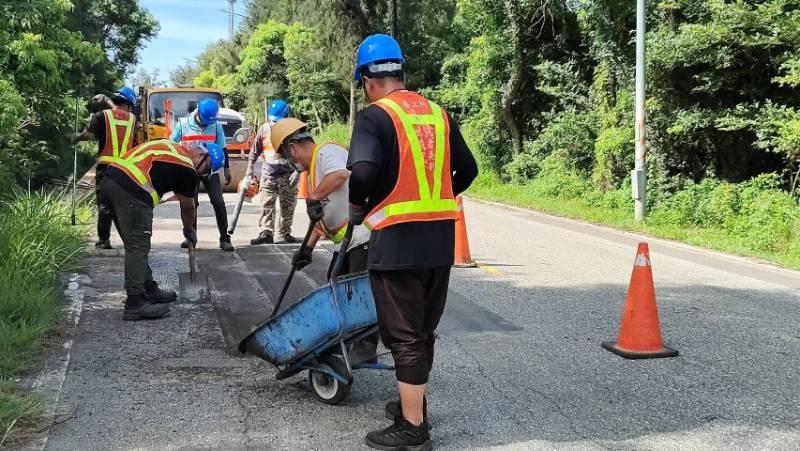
(318, 332)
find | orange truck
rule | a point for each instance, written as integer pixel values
(161, 108)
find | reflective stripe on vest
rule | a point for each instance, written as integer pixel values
(335, 236)
(113, 148)
(430, 205)
(204, 138)
(144, 152)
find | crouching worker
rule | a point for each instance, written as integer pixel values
(133, 186)
(327, 204)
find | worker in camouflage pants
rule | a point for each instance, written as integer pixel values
(283, 189)
(278, 180)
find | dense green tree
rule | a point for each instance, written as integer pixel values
(55, 50)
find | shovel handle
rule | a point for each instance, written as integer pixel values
(303, 246)
(342, 254)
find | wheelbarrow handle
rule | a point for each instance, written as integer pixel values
(342, 254)
(303, 247)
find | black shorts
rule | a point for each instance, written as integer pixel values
(410, 304)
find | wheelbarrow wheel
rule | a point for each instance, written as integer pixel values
(328, 389)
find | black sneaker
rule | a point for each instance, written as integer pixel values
(185, 244)
(289, 239)
(393, 411)
(103, 244)
(137, 308)
(263, 238)
(155, 295)
(401, 436)
(225, 244)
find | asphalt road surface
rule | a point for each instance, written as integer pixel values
(518, 367)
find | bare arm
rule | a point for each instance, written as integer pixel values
(329, 184)
(314, 239)
(85, 135)
(187, 211)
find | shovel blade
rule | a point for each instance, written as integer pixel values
(192, 288)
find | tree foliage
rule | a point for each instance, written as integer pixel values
(55, 50)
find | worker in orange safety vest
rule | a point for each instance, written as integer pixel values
(113, 128)
(408, 161)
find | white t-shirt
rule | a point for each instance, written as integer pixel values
(332, 158)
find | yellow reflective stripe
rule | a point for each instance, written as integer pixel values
(408, 121)
(140, 157)
(420, 206)
(144, 182)
(116, 149)
(339, 236)
(143, 152)
(312, 169)
(410, 207)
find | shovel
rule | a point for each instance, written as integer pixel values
(193, 284)
(303, 246)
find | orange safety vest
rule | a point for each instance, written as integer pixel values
(335, 235)
(424, 189)
(119, 134)
(137, 163)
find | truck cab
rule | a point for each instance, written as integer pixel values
(161, 108)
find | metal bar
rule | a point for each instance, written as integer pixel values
(75, 165)
(639, 175)
(303, 246)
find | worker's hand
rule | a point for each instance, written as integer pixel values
(294, 179)
(357, 213)
(73, 139)
(227, 173)
(302, 257)
(315, 209)
(191, 236)
(99, 103)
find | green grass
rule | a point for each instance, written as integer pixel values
(37, 242)
(489, 187)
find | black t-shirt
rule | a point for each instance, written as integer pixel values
(165, 177)
(424, 244)
(97, 126)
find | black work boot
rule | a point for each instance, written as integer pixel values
(289, 239)
(103, 244)
(401, 436)
(155, 295)
(394, 411)
(225, 243)
(263, 238)
(137, 308)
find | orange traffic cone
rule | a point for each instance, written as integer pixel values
(463, 257)
(302, 193)
(640, 332)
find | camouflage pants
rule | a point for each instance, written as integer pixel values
(276, 189)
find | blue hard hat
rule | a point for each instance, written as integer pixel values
(278, 110)
(216, 155)
(207, 110)
(126, 93)
(375, 49)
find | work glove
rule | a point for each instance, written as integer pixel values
(302, 257)
(191, 236)
(73, 139)
(294, 179)
(227, 173)
(315, 209)
(357, 213)
(99, 103)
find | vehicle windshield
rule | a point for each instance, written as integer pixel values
(183, 103)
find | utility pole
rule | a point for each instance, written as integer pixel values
(639, 173)
(231, 13)
(393, 28)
